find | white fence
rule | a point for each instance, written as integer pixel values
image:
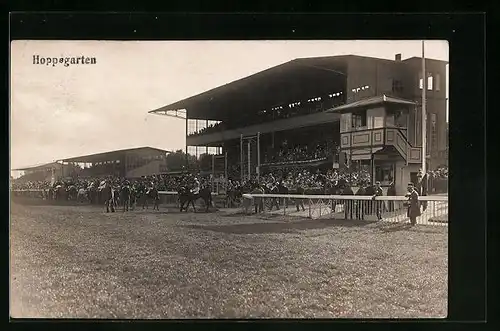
(433, 209)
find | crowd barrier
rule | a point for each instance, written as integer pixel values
(434, 209)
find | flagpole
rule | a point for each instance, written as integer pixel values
(424, 113)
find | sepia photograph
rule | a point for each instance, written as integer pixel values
(229, 179)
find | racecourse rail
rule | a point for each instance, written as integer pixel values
(434, 209)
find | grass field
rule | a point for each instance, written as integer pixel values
(78, 262)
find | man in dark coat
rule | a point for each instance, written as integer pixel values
(257, 201)
(299, 189)
(412, 204)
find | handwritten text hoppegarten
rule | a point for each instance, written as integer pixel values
(65, 61)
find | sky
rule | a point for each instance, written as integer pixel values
(59, 112)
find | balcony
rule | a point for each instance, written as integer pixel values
(381, 137)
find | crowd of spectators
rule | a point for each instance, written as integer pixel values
(439, 173)
(209, 129)
(299, 152)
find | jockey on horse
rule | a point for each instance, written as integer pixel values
(151, 193)
(196, 186)
(107, 194)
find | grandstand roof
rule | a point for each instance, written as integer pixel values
(297, 78)
(41, 166)
(113, 155)
(382, 99)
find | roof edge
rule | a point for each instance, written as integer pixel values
(114, 151)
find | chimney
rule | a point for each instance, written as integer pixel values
(398, 57)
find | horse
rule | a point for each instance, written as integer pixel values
(51, 193)
(151, 194)
(134, 194)
(185, 195)
(82, 195)
(125, 196)
(107, 195)
(72, 192)
(60, 193)
(274, 201)
(282, 189)
(93, 195)
(116, 197)
(233, 196)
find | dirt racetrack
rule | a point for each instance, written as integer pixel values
(79, 262)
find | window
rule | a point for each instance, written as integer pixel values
(420, 81)
(430, 80)
(191, 126)
(359, 119)
(438, 82)
(397, 86)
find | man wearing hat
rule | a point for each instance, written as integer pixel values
(412, 204)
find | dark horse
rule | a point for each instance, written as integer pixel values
(125, 196)
(107, 196)
(151, 194)
(186, 196)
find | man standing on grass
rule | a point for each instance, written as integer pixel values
(412, 204)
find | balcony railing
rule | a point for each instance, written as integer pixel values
(379, 137)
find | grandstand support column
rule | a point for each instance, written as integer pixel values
(424, 113)
(241, 156)
(187, 133)
(125, 165)
(248, 159)
(225, 169)
(258, 155)
(213, 171)
(373, 170)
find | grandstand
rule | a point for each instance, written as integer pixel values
(128, 163)
(41, 172)
(327, 112)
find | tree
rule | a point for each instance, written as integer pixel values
(205, 162)
(177, 161)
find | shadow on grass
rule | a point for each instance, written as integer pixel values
(279, 227)
(394, 227)
(40, 202)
